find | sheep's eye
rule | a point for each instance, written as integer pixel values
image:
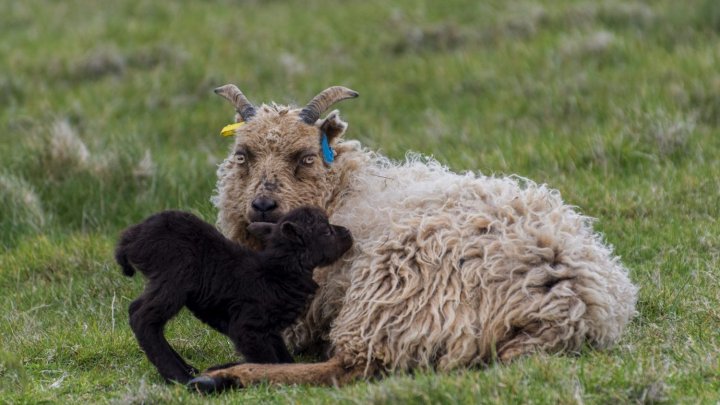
(240, 157)
(308, 160)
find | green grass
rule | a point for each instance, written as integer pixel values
(107, 115)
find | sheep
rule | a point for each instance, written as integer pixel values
(248, 296)
(448, 270)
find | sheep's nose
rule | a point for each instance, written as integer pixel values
(264, 204)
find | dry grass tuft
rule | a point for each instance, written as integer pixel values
(522, 21)
(655, 136)
(66, 147)
(668, 135)
(292, 64)
(596, 44)
(21, 205)
(65, 153)
(146, 166)
(109, 60)
(99, 63)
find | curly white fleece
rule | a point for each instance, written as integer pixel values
(452, 270)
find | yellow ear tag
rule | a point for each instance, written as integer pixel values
(229, 130)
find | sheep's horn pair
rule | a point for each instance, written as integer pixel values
(320, 103)
(243, 106)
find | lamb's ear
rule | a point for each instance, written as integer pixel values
(333, 126)
(291, 231)
(261, 230)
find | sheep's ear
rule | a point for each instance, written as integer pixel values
(261, 230)
(333, 126)
(291, 231)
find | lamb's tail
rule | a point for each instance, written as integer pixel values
(121, 254)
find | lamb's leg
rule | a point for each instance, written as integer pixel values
(192, 370)
(148, 316)
(330, 372)
(281, 351)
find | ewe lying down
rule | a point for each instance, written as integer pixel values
(448, 270)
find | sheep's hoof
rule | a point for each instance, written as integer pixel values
(207, 385)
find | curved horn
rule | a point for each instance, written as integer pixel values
(323, 101)
(242, 105)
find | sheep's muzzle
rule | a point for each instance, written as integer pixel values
(264, 209)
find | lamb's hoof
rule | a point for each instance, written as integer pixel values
(206, 385)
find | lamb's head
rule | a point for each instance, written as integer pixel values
(277, 161)
(306, 233)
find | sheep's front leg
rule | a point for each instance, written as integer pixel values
(330, 372)
(281, 352)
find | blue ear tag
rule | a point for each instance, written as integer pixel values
(327, 151)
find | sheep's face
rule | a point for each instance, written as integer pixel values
(275, 165)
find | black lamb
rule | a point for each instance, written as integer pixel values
(250, 296)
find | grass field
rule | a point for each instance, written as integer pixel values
(107, 115)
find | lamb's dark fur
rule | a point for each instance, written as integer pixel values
(247, 295)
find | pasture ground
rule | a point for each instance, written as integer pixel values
(107, 115)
